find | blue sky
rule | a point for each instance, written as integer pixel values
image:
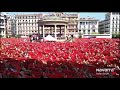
(97, 15)
(100, 16)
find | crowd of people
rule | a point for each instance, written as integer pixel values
(78, 59)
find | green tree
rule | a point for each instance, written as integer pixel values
(116, 35)
(1, 36)
(80, 35)
(18, 36)
(94, 33)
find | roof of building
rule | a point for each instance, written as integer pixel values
(88, 18)
(53, 18)
(29, 15)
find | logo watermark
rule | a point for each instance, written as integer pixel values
(105, 71)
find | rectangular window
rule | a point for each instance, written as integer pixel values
(83, 23)
(84, 26)
(80, 23)
(80, 31)
(93, 30)
(88, 31)
(83, 31)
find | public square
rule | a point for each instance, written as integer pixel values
(21, 58)
(59, 45)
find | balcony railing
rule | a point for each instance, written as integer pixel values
(54, 18)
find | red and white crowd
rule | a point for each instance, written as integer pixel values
(20, 58)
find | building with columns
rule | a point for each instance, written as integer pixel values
(104, 27)
(27, 24)
(111, 24)
(53, 25)
(88, 25)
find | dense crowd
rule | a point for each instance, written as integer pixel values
(20, 58)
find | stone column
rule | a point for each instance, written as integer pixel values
(38, 30)
(90, 28)
(43, 31)
(74, 30)
(65, 31)
(85, 28)
(55, 32)
(78, 27)
(50, 30)
(96, 26)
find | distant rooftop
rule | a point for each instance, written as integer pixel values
(28, 14)
(53, 17)
(88, 18)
